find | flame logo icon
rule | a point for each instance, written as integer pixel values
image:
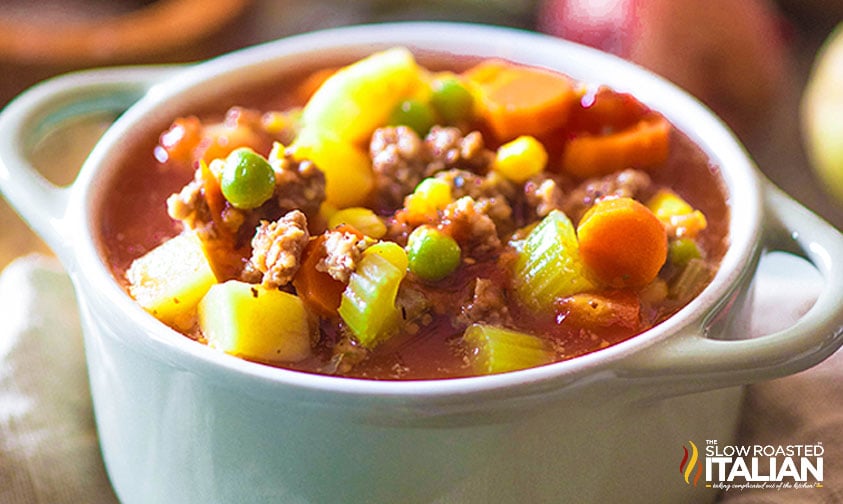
(690, 461)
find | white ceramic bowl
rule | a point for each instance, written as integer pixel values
(179, 422)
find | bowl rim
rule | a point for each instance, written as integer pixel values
(687, 113)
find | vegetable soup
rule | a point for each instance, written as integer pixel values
(391, 220)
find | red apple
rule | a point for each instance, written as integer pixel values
(729, 54)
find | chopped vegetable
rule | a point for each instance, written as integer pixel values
(622, 243)
(679, 217)
(496, 350)
(520, 100)
(358, 98)
(642, 146)
(691, 281)
(360, 218)
(219, 140)
(169, 280)
(451, 99)
(247, 180)
(548, 266)
(681, 251)
(368, 302)
(347, 168)
(276, 122)
(590, 310)
(432, 254)
(602, 110)
(429, 197)
(318, 289)
(210, 175)
(254, 322)
(392, 252)
(521, 159)
(415, 114)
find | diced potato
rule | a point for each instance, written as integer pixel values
(359, 98)
(169, 280)
(497, 350)
(250, 321)
(347, 167)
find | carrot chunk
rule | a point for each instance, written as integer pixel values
(319, 290)
(520, 100)
(622, 243)
(643, 145)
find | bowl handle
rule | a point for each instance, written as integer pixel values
(693, 362)
(29, 117)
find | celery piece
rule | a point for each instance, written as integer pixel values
(368, 302)
(548, 265)
(694, 277)
(251, 321)
(497, 350)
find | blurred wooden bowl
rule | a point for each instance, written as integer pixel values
(42, 39)
(81, 35)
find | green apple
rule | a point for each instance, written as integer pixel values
(822, 114)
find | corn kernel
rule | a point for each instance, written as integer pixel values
(521, 158)
(430, 196)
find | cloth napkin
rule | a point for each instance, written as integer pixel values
(49, 451)
(48, 445)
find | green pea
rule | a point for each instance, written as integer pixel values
(415, 114)
(681, 251)
(452, 100)
(247, 179)
(432, 254)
